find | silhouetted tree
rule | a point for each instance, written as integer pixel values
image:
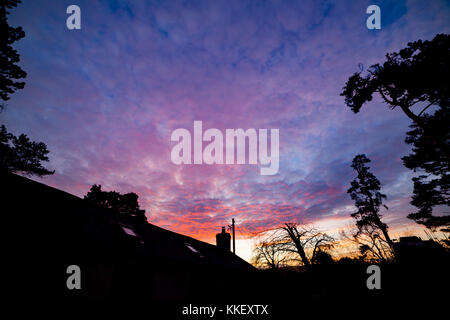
(17, 154)
(269, 254)
(416, 76)
(432, 187)
(305, 241)
(20, 155)
(371, 244)
(9, 70)
(322, 257)
(365, 191)
(123, 204)
(294, 242)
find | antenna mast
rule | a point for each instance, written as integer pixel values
(234, 242)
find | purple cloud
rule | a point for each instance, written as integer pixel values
(106, 98)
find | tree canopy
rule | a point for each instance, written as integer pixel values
(17, 154)
(122, 204)
(10, 72)
(416, 74)
(430, 158)
(20, 155)
(416, 80)
(365, 191)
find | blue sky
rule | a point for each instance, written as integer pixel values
(106, 98)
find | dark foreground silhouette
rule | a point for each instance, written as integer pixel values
(144, 267)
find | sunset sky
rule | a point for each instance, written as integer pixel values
(106, 98)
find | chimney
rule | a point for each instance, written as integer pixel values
(223, 240)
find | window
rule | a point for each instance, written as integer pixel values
(193, 249)
(128, 231)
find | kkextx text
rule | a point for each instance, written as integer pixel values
(213, 153)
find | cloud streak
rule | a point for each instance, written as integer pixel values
(106, 98)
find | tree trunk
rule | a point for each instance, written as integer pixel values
(298, 246)
(302, 254)
(383, 229)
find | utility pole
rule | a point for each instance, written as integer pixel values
(234, 242)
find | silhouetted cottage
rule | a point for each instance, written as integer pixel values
(50, 229)
(413, 249)
(223, 240)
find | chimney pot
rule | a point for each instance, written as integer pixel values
(223, 240)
